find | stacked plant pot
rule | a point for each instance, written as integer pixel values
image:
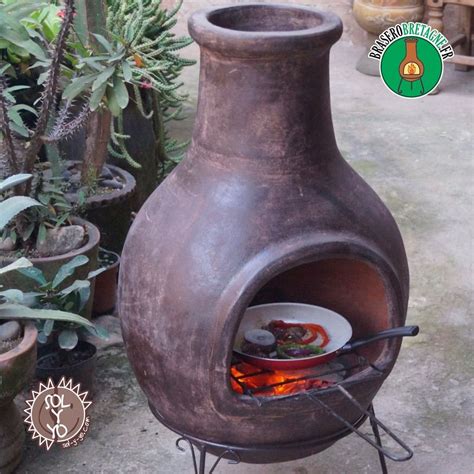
(16, 369)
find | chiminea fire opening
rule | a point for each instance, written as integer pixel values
(348, 286)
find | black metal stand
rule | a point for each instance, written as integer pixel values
(375, 423)
(375, 429)
(202, 448)
(233, 457)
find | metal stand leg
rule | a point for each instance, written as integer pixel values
(202, 460)
(232, 456)
(400, 85)
(375, 429)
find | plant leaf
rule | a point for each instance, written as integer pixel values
(68, 269)
(104, 42)
(102, 78)
(21, 130)
(97, 96)
(120, 91)
(14, 180)
(48, 327)
(77, 285)
(13, 206)
(13, 296)
(98, 331)
(16, 311)
(127, 71)
(78, 85)
(16, 265)
(94, 273)
(35, 274)
(68, 339)
(112, 102)
(41, 237)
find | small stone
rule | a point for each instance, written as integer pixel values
(106, 173)
(61, 240)
(75, 179)
(7, 245)
(66, 174)
(111, 183)
(10, 331)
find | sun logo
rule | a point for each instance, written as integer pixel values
(58, 414)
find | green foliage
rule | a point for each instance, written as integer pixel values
(54, 308)
(152, 66)
(12, 206)
(26, 219)
(19, 26)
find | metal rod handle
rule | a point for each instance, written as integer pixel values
(373, 419)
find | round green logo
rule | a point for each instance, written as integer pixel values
(411, 67)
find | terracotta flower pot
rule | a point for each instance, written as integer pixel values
(105, 294)
(50, 265)
(16, 369)
(110, 211)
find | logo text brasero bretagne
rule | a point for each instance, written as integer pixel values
(411, 29)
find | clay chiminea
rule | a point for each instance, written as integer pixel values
(263, 209)
(411, 68)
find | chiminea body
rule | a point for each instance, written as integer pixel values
(263, 209)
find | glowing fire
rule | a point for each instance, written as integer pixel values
(411, 69)
(254, 378)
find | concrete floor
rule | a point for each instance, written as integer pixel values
(418, 155)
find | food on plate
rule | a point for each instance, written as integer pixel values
(297, 351)
(259, 342)
(285, 340)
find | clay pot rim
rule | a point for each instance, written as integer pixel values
(208, 34)
(113, 197)
(28, 341)
(93, 240)
(115, 264)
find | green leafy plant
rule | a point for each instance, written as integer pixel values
(22, 154)
(19, 22)
(26, 219)
(54, 307)
(12, 206)
(136, 58)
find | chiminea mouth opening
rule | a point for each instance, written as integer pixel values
(350, 287)
(266, 30)
(265, 18)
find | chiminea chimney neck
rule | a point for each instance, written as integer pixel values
(270, 30)
(264, 86)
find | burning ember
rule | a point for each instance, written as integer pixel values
(246, 378)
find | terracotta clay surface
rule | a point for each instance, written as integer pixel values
(264, 208)
(16, 369)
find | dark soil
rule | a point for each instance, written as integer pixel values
(62, 359)
(106, 259)
(6, 346)
(72, 181)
